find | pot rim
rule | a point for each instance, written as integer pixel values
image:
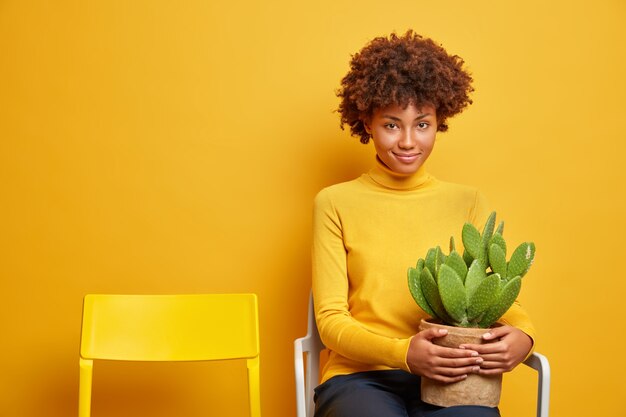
(433, 322)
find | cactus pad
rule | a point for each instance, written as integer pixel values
(475, 275)
(471, 240)
(416, 289)
(521, 260)
(452, 293)
(497, 239)
(456, 262)
(431, 293)
(484, 296)
(497, 260)
(505, 299)
(488, 229)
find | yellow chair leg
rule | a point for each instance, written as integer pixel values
(254, 387)
(84, 390)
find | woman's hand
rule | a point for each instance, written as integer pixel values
(511, 347)
(440, 363)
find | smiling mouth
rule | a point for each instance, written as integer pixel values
(407, 157)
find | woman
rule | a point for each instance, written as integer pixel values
(399, 93)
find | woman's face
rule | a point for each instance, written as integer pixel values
(403, 138)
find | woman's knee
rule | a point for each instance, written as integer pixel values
(349, 396)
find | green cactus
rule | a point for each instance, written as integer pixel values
(452, 293)
(497, 260)
(475, 275)
(474, 289)
(471, 240)
(497, 239)
(521, 260)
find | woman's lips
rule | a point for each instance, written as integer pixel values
(406, 158)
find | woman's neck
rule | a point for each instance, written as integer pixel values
(387, 178)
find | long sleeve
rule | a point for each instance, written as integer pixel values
(341, 332)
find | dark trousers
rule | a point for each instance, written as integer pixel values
(392, 393)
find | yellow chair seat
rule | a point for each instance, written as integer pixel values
(199, 327)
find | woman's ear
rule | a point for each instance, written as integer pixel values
(366, 125)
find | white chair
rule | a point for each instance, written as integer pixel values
(312, 345)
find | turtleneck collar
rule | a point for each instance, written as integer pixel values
(387, 178)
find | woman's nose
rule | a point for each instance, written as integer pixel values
(407, 141)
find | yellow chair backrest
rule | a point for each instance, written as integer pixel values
(169, 328)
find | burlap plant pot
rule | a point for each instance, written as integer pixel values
(475, 389)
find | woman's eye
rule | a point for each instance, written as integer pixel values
(391, 125)
(422, 125)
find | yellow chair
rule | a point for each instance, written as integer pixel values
(169, 328)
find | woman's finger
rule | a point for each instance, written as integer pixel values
(458, 362)
(493, 371)
(447, 379)
(453, 372)
(492, 357)
(446, 352)
(494, 347)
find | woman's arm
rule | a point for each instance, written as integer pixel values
(338, 329)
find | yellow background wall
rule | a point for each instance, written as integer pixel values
(175, 147)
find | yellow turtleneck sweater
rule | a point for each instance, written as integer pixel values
(366, 233)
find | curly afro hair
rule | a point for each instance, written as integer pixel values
(402, 70)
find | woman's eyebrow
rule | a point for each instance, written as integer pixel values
(421, 116)
(387, 116)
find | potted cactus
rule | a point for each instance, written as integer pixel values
(468, 293)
